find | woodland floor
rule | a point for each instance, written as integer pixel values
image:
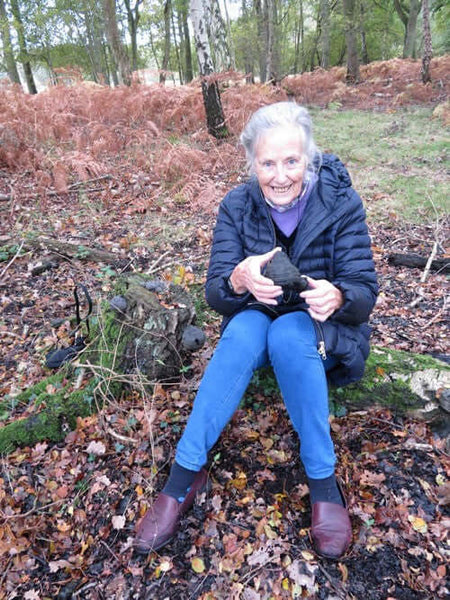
(68, 510)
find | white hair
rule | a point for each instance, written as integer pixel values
(278, 115)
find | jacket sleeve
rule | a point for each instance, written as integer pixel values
(354, 271)
(226, 252)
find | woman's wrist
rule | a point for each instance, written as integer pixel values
(235, 288)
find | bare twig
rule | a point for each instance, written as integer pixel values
(151, 268)
(85, 588)
(120, 437)
(11, 261)
(31, 511)
(428, 265)
(110, 551)
(94, 179)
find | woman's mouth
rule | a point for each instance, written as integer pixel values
(281, 190)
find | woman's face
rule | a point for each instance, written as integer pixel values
(279, 164)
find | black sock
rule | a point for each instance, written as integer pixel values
(325, 490)
(179, 482)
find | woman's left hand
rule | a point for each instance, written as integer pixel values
(323, 298)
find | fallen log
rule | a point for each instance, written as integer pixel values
(64, 249)
(419, 262)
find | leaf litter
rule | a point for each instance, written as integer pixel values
(68, 510)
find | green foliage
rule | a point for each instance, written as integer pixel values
(9, 251)
(403, 167)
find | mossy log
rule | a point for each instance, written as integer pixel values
(137, 344)
(140, 342)
(413, 384)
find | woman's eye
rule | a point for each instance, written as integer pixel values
(267, 163)
(293, 161)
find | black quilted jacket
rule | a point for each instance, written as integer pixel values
(331, 242)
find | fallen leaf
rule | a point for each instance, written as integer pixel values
(166, 565)
(118, 521)
(198, 565)
(96, 448)
(56, 565)
(418, 524)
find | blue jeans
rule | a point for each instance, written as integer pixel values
(250, 341)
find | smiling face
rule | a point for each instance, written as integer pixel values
(279, 164)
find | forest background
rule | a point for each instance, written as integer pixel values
(101, 174)
(105, 41)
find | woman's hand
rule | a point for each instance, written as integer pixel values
(323, 298)
(246, 277)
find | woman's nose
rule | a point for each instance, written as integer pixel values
(280, 172)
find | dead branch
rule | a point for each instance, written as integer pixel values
(70, 189)
(414, 261)
(70, 250)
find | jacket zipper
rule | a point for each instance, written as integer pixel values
(320, 340)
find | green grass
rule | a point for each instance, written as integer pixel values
(399, 161)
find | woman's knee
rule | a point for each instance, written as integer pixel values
(292, 334)
(247, 332)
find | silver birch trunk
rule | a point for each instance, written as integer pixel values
(210, 88)
(217, 33)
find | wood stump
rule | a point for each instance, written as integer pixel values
(149, 325)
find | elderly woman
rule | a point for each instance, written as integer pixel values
(298, 214)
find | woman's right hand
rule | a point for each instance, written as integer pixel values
(246, 277)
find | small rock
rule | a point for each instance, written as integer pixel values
(118, 303)
(193, 338)
(156, 285)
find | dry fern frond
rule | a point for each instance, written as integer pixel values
(240, 102)
(175, 163)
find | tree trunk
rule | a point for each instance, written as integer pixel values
(427, 46)
(299, 42)
(218, 36)
(352, 75)
(94, 34)
(325, 34)
(408, 15)
(210, 88)
(364, 50)
(166, 56)
(115, 42)
(188, 70)
(230, 38)
(261, 18)
(269, 23)
(24, 56)
(411, 29)
(133, 17)
(8, 53)
(175, 45)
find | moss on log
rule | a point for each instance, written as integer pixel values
(58, 415)
(407, 383)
